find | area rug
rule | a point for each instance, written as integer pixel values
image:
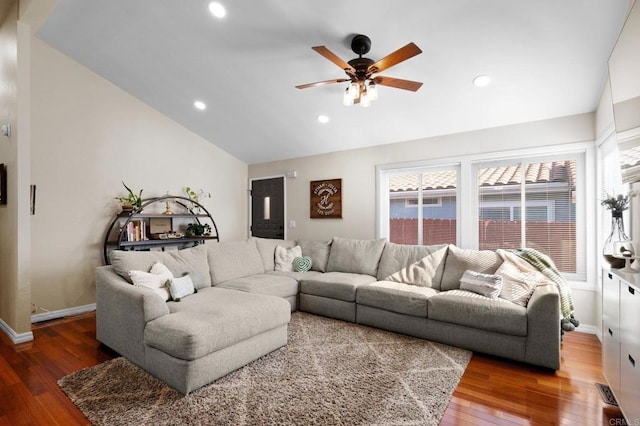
(330, 373)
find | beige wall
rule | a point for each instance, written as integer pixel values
(14, 228)
(79, 136)
(357, 170)
(87, 136)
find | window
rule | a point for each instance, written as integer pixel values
(422, 207)
(545, 192)
(533, 198)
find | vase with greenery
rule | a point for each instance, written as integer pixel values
(131, 201)
(617, 205)
(195, 197)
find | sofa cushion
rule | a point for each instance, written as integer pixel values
(426, 272)
(298, 276)
(355, 256)
(397, 257)
(181, 287)
(284, 257)
(459, 260)
(274, 285)
(318, 251)
(155, 279)
(473, 310)
(302, 264)
(267, 250)
(396, 297)
(484, 284)
(214, 319)
(233, 259)
(518, 286)
(192, 261)
(335, 285)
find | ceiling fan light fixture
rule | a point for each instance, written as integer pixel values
(354, 90)
(372, 90)
(347, 99)
(365, 100)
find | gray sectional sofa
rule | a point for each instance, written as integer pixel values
(243, 302)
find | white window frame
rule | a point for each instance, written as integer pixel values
(467, 199)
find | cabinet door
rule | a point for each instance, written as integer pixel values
(630, 352)
(611, 331)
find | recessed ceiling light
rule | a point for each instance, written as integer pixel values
(482, 80)
(217, 9)
(323, 119)
(200, 105)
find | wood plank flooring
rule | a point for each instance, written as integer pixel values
(492, 390)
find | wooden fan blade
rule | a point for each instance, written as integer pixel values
(400, 55)
(334, 58)
(398, 83)
(321, 83)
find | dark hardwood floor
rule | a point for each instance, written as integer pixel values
(492, 391)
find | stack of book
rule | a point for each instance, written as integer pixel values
(136, 231)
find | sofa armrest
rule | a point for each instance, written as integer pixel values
(543, 327)
(122, 312)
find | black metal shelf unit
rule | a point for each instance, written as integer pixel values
(116, 237)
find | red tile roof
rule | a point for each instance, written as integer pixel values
(556, 171)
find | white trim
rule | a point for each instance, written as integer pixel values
(589, 329)
(46, 316)
(16, 338)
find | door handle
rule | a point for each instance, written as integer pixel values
(631, 290)
(610, 332)
(632, 361)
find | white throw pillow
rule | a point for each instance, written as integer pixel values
(155, 280)
(484, 284)
(284, 257)
(181, 287)
(517, 286)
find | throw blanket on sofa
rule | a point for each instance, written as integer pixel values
(545, 265)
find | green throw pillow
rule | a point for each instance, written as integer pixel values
(302, 264)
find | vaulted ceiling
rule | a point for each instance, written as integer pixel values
(546, 58)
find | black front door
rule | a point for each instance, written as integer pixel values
(267, 208)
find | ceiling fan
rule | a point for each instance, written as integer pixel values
(362, 71)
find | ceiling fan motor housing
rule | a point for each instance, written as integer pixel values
(361, 44)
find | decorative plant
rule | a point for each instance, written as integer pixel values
(196, 196)
(617, 204)
(131, 199)
(197, 229)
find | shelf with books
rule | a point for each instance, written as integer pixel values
(151, 230)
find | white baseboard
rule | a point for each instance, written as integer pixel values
(590, 329)
(15, 337)
(46, 316)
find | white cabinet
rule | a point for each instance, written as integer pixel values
(611, 330)
(621, 341)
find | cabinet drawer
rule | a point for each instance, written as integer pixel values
(629, 351)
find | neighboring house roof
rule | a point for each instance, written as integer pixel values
(556, 171)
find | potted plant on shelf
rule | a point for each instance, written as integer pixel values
(198, 229)
(131, 201)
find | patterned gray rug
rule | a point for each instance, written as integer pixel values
(330, 373)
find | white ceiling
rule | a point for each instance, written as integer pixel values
(546, 58)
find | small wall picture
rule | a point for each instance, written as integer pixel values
(3, 184)
(326, 199)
